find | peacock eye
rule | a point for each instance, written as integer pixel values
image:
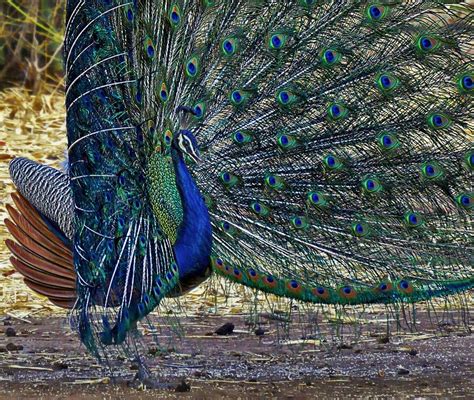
(330, 57)
(163, 92)
(387, 141)
(439, 121)
(386, 82)
(432, 171)
(199, 110)
(277, 41)
(175, 15)
(371, 185)
(404, 284)
(360, 229)
(467, 82)
(284, 97)
(236, 96)
(413, 219)
(150, 50)
(337, 111)
(230, 46)
(375, 12)
(191, 68)
(331, 162)
(465, 200)
(427, 44)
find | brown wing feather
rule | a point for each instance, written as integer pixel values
(41, 276)
(37, 236)
(30, 213)
(41, 257)
(35, 248)
(39, 263)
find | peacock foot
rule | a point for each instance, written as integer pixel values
(144, 379)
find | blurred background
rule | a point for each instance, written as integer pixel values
(31, 33)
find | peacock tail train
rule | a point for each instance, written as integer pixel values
(336, 145)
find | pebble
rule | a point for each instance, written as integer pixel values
(60, 365)
(225, 329)
(13, 347)
(344, 346)
(402, 371)
(413, 352)
(383, 340)
(259, 332)
(183, 387)
(10, 332)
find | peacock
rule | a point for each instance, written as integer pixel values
(318, 150)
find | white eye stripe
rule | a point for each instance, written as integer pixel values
(181, 142)
(186, 146)
(189, 141)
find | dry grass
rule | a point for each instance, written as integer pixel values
(31, 34)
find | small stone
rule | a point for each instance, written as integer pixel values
(402, 371)
(383, 339)
(183, 387)
(344, 346)
(13, 347)
(225, 329)
(10, 332)
(60, 365)
(413, 352)
(259, 332)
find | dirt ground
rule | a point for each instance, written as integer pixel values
(42, 359)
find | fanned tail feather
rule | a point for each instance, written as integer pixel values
(335, 137)
(337, 146)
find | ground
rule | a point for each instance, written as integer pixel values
(44, 360)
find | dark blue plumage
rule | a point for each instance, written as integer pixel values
(194, 243)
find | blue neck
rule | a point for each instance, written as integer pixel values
(194, 240)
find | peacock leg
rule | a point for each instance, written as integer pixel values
(145, 379)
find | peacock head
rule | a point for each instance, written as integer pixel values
(185, 143)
